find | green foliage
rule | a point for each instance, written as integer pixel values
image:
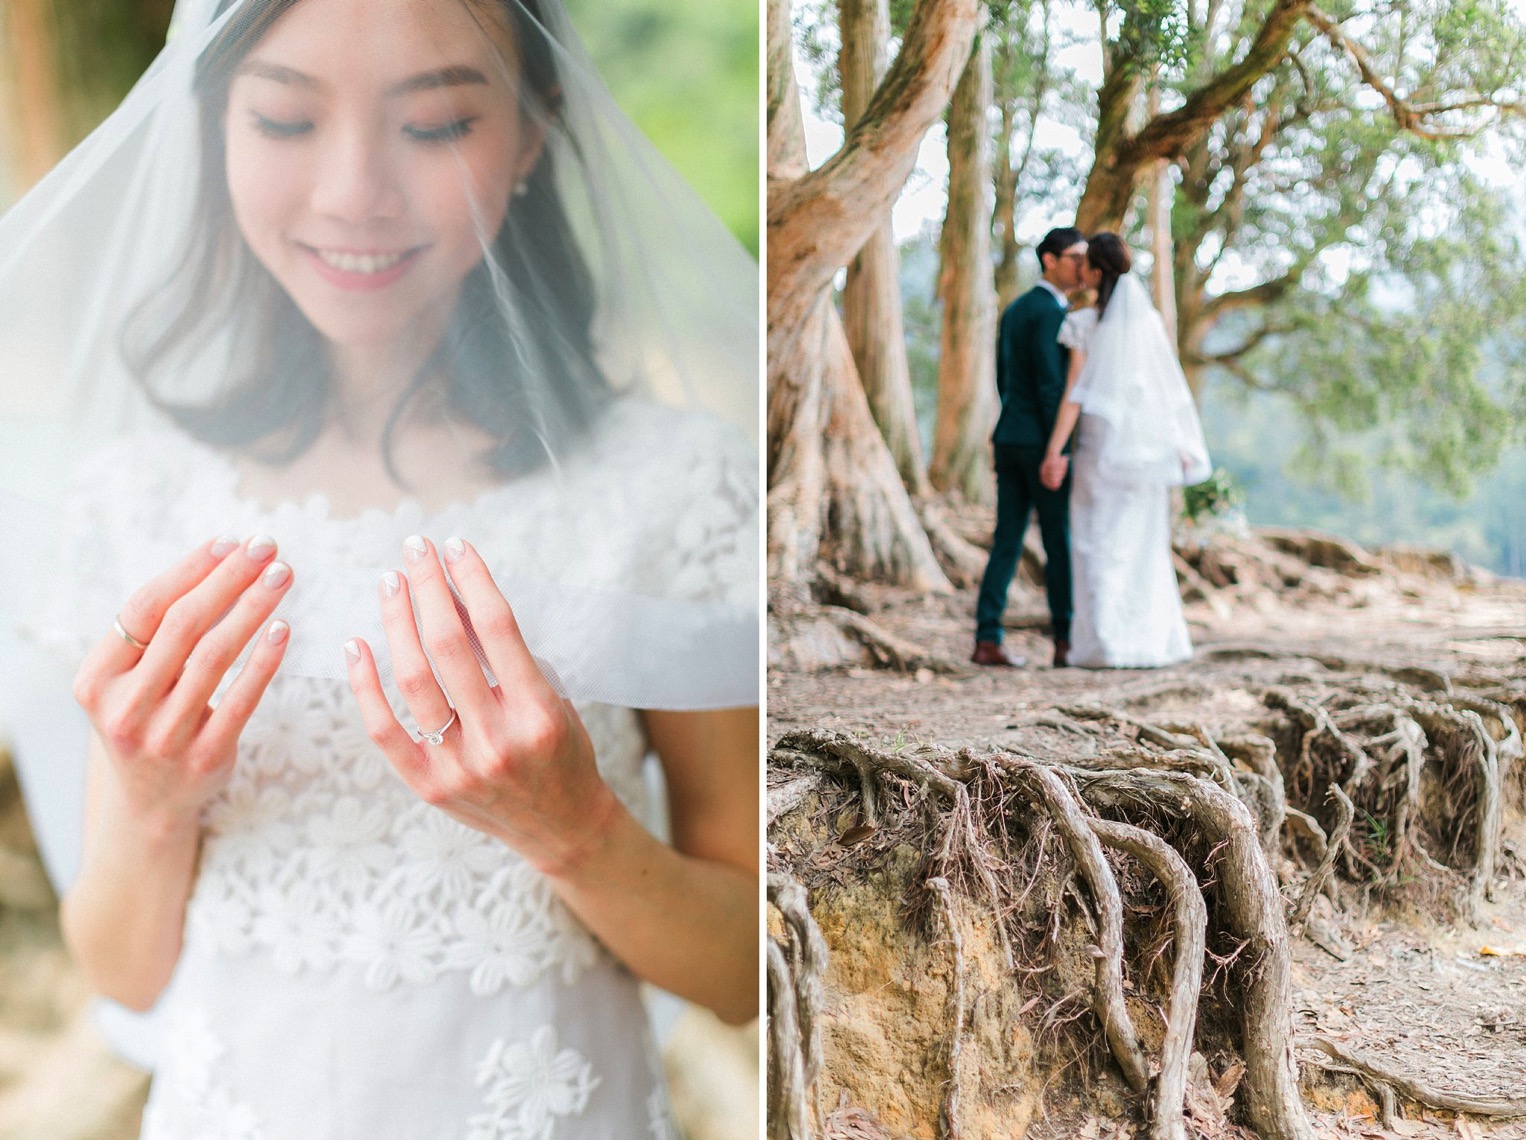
(686, 71)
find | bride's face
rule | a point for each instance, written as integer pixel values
(1091, 276)
(372, 149)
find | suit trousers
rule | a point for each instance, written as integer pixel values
(1019, 491)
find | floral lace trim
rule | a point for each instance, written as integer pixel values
(319, 854)
(528, 1087)
(189, 1102)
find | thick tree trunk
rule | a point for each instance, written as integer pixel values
(871, 299)
(35, 134)
(966, 361)
(1005, 219)
(842, 497)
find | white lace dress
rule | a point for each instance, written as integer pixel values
(356, 964)
(1127, 605)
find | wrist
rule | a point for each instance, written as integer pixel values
(582, 853)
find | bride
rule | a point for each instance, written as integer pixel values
(1138, 437)
(405, 405)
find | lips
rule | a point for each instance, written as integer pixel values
(361, 270)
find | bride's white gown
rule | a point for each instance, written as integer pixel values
(357, 965)
(1128, 610)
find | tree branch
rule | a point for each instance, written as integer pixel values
(1410, 117)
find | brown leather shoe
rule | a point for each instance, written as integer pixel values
(994, 653)
(1061, 654)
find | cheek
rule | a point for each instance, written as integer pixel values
(468, 193)
(263, 191)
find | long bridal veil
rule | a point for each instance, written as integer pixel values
(1133, 380)
(579, 336)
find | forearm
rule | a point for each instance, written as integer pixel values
(1064, 425)
(123, 917)
(687, 924)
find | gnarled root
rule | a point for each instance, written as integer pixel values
(1166, 1120)
(1413, 1088)
(795, 1003)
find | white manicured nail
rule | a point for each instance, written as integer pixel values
(352, 651)
(454, 548)
(390, 584)
(261, 547)
(276, 575)
(414, 548)
(278, 631)
(224, 545)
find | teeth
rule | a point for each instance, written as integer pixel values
(361, 262)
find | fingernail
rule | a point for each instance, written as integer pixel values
(414, 548)
(224, 545)
(390, 584)
(276, 574)
(278, 632)
(261, 547)
(454, 548)
(352, 651)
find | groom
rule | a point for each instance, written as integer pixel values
(1031, 366)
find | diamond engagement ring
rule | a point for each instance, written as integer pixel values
(121, 631)
(438, 735)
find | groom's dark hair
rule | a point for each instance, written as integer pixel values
(1057, 242)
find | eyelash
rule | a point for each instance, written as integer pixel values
(450, 132)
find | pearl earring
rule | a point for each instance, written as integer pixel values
(521, 188)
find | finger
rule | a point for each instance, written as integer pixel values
(219, 734)
(426, 701)
(215, 654)
(382, 725)
(190, 616)
(493, 621)
(444, 634)
(145, 610)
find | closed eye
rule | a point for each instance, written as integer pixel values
(447, 133)
(281, 128)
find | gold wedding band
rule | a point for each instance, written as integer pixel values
(121, 632)
(438, 735)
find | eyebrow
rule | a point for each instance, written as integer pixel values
(458, 75)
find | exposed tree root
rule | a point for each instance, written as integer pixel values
(1191, 914)
(948, 1116)
(1413, 1088)
(1320, 879)
(795, 1004)
(1364, 781)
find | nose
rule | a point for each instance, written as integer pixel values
(355, 180)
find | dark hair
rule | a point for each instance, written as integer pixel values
(1057, 241)
(1107, 253)
(276, 408)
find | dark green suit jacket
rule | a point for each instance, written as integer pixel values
(1031, 365)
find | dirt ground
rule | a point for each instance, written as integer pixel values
(1443, 1002)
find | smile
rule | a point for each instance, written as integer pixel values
(360, 262)
(363, 271)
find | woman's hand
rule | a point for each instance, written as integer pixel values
(168, 749)
(514, 760)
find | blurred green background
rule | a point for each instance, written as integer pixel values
(685, 70)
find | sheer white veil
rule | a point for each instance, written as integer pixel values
(1133, 380)
(597, 368)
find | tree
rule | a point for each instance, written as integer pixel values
(871, 297)
(966, 291)
(831, 477)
